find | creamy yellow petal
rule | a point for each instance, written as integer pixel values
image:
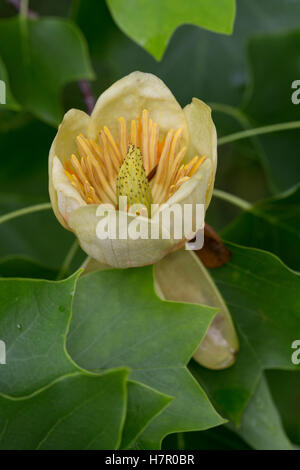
(181, 277)
(203, 137)
(118, 253)
(64, 145)
(132, 94)
(192, 192)
(68, 198)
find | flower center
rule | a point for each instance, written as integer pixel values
(98, 172)
(132, 181)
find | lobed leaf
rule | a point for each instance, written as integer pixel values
(151, 24)
(119, 321)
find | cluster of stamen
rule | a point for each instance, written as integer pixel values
(95, 171)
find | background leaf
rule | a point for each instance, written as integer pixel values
(273, 225)
(269, 101)
(143, 404)
(246, 170)
(261, 425)
(11, 102)
(231, 389)
(261, 293)
(219, 438)
(285, 387)
(44, 67)
(139, 19)
(14, 266)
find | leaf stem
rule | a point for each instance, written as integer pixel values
(26, 210)
(258, 131)
(68, 260)
(87, 94)
(23, 8)
(235, 200)
(233, 112)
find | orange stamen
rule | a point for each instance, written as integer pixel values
(94, 171)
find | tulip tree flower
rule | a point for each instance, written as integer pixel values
(136, 127)
(140, 144)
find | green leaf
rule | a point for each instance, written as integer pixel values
(190, 410)
(25, 145)
(18, 266)
(143, 404)
(10, 101)
(272, 103)
(261, 426)
(285, 388)
(40, 237)
(207, 56)
(24, 182)
(77, 412)
(46, 401)
(34, 318)
(37, 64)
(263, 297)
(151, 24)
(219, 438)
(118, 320)
(231, 389)
(272, 225)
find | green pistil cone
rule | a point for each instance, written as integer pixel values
(132, 180)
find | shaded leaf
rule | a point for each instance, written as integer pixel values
(37, 64)
(263, 297)
(143, 404)
(269, 101)
(40, 237)
(261, 425)
(272, 225)
(190, 410)
(206, 56)
(285, 388)
(79, 411)
(231, 389)
(25, 145)
(15, 266)
(10, 101)
(219, 438)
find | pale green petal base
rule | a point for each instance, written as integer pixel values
(118, 253)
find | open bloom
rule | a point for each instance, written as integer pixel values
(139, 143)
